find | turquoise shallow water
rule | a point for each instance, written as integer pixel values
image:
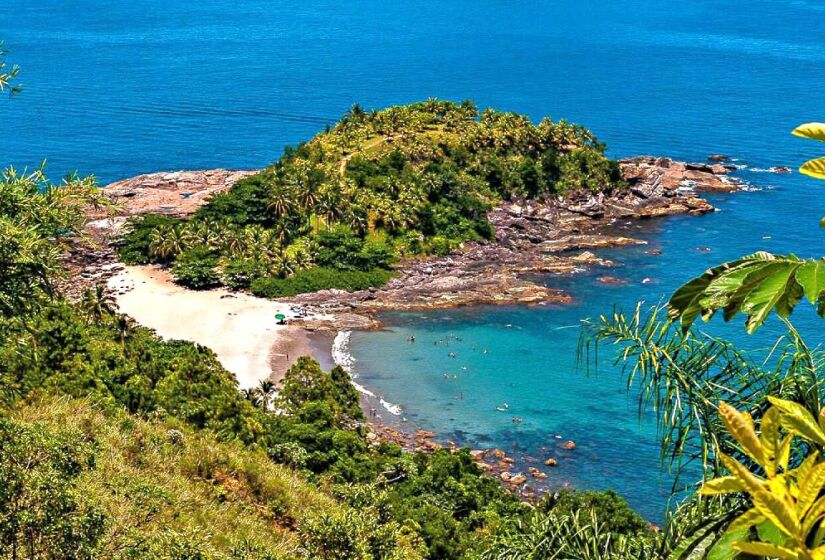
(119, 88)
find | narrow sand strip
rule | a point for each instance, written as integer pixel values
(241, 329)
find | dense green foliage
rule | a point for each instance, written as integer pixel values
(37, 219)
(118, 445)
(317, 278)
(440, 501)
(84, 483)
(416, 179)
(135, 248)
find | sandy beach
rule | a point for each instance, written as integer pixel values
(241, 329)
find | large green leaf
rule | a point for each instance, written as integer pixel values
(814, 168)
(755, 286)
(811, 276)
(812, 130)
(776, 289)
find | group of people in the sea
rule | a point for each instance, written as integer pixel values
(447, 376)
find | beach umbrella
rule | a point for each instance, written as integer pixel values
(280, 317)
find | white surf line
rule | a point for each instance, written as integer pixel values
(342, 357)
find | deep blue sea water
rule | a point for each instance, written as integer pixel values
(124, 87)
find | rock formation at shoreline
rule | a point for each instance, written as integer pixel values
(537, 237)
(177, 193)
(532, 237)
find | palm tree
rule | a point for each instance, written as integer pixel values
(208, 235)
(303, 179)
(329, 207)
(124, 327)
(356, 221)
(98, 303)
(281, 264)
(266, 390)
(279, 235)
(167, 242)
(235, 242)
(255, 235)
(282, 201)
(302, 259)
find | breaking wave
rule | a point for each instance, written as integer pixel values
(342, 357)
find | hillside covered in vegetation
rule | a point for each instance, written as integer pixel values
(120, 445)
(338, 210)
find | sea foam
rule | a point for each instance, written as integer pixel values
(342, 357)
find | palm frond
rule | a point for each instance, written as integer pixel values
(682, 377)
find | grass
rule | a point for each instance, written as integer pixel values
(158, 480)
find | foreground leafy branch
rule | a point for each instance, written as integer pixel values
(754, 285)
(787, 509)
(759, 283)
(682, 376)
(813, 131)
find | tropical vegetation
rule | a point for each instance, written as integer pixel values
(117, 444)
(752, 426)
(379, 185)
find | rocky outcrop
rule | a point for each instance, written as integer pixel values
(537, 237)
(531, 236)
(650, 177)
(177, 193)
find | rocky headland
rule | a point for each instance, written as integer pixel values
(537, 237)
(532, 237)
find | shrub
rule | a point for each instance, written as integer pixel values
(339, 248)
(133, 245)
(376, 254)
(196, 269)
(439, 245)
(612, 509)
(319, 278)
(244, 204)
(239, 273)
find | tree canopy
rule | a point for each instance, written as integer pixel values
(377, 186)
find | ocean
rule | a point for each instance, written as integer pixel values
(120, 88)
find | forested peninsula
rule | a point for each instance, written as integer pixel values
(433, 204)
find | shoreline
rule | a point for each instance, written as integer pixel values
(241, 329)
(532, 237)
